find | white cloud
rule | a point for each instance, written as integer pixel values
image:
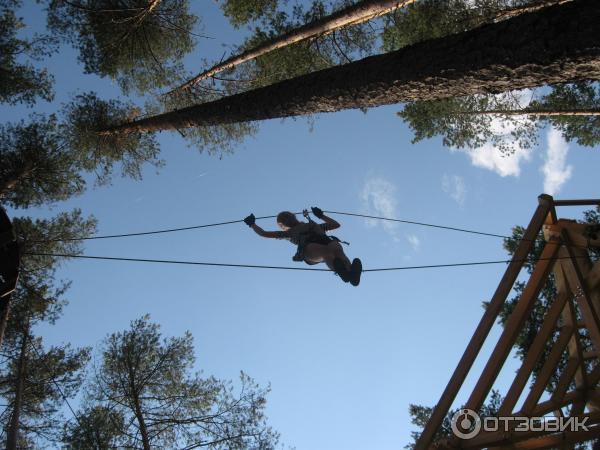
(555, 169)
(491, 158)
(414, 241)
(378, 197)
(455, 187)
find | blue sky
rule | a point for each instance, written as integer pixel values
(344, 363)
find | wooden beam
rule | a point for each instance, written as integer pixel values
(592, 279)
(594, 376)
(558, 440)
(586, 202)
(550, 405)
(582, 379)
(533, 355)
(577, 233)
(562, 285)
(513, 326)
(548, 369)
(545, 203)
(579, 287)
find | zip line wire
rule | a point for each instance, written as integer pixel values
(194, 227)
(145, 233)
(257, 266)
(254, 266)
(423, 224)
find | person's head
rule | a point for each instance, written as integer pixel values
(286, 220)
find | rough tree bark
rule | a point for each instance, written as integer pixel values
(137, 406)
(4, 315)
(355, 14)
(12, 435)
(141, 422)
(557, 44)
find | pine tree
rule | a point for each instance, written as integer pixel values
(430, 70)
(20, 81)
(313, 28)
(34, 379)
(140, 44)
(147, 379)
(43, 159)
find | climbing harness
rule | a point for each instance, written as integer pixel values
(311, 233)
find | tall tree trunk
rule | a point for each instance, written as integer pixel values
(141, 422)
(12, 436)
(557, 44)
(137, 405)
(533, 112)
(4, 314)
(352, 15)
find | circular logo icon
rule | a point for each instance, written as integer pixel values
(466, 424)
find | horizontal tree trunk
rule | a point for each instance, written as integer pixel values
(355, 14)
(533, 112)
(558, 44)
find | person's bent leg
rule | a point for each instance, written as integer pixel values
(332, 255)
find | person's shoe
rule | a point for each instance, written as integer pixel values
(340, 269)
(355, 272)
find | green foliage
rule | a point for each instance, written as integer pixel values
(41, 294)
(423, 20)
(50, 374)
(455, 121)
(20, 82)
(43, 160)
(147, 379)
(100, 153)
(35, 166)
(420, 416)
(584, 130)
(431, 19)
(138, 43)
(240, 12)
(215, 140)
(97, 427)
(336, 48)
(58, 234)
(38, 292)
(39, 297)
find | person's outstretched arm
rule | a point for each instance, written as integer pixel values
(331, 223)
(250, 221)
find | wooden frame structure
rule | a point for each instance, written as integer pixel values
(575, 310)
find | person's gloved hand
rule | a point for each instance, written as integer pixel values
(250, 220)
(318, 212)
